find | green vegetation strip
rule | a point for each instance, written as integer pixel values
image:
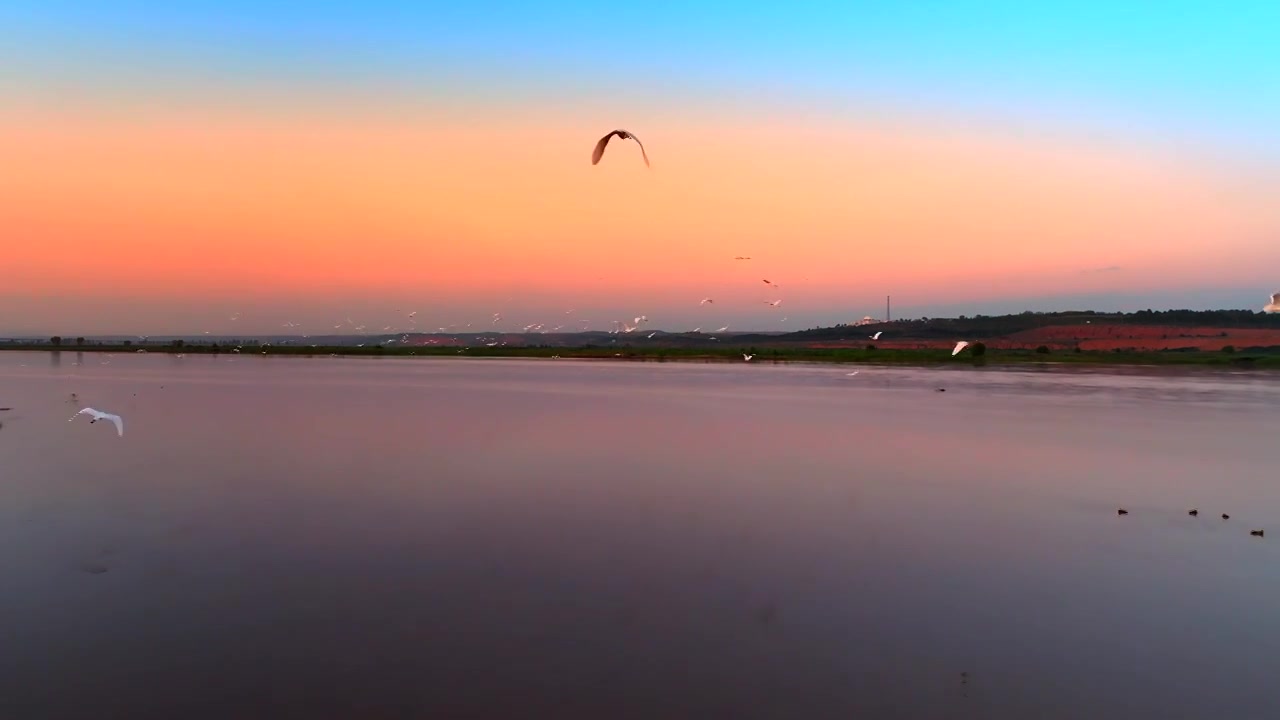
(1246, 357)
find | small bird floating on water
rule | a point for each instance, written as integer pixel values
(1226, 516)
(622, 134)
(1193, 513)
(1122, 511)
(1256, 533)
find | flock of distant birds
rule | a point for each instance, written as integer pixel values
(598, 152)
(637, 323)
(1194, 512)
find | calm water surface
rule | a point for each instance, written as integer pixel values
(396, 538)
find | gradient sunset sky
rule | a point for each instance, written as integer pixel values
(168, 167)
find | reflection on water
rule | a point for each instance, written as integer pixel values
(378, 538)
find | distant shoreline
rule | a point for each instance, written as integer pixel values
(837, 356)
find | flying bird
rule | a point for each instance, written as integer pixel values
(774, 303)
(1274, 305)
(876, 336)
(747, 357)
(622, 134)
(960, 346)
(706, 300)
(740, 257)
(99, 415)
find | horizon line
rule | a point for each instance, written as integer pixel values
(873, 322)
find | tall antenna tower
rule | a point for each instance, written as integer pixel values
(887, 315)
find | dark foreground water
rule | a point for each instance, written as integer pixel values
(405, 538)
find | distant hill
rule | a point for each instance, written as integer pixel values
(1145, 330)
(994, 326)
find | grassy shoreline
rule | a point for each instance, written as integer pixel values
(705, 354)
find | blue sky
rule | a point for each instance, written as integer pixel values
(1173, 67)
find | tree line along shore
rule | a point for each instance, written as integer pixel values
(728, 352)
(1175, 337)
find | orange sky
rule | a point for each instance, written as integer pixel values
(480, 211)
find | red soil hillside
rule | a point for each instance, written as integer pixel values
(1143, 337)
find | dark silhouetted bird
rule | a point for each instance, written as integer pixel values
(623, 134)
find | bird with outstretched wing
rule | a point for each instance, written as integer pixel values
(622, 134)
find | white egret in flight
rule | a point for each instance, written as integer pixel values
(97, 415)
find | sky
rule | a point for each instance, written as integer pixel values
(167, 168)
